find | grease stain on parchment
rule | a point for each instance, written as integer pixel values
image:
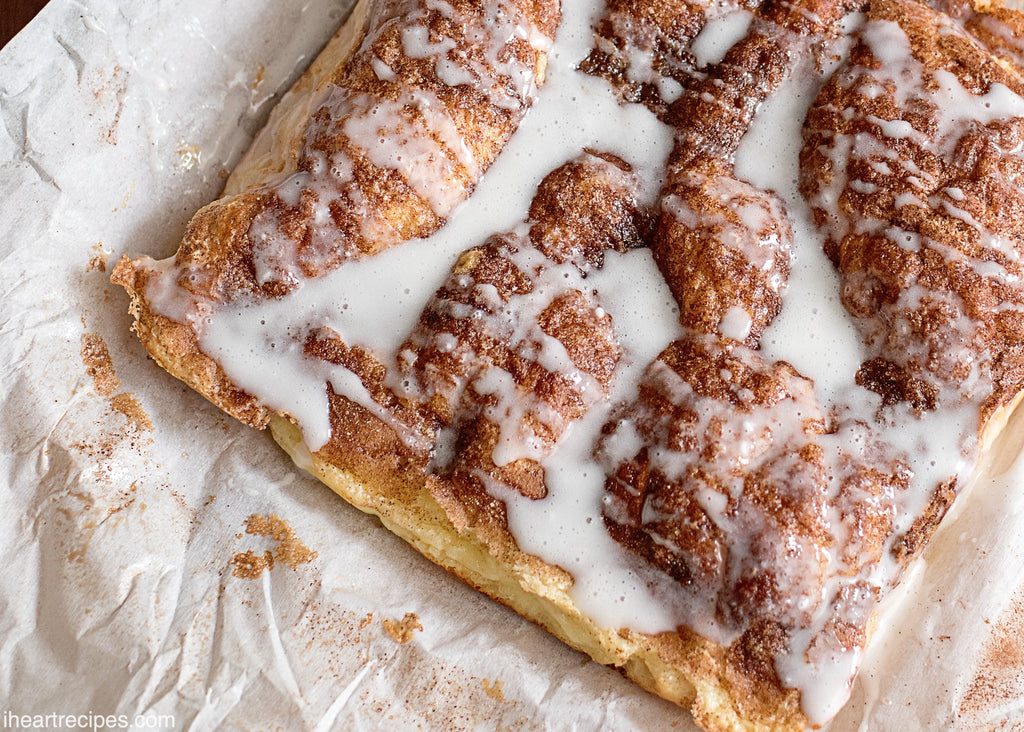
(109, 87)
(190, 155)
(434, 694)
(411, 687)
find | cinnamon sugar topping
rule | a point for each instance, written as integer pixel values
(100, 367)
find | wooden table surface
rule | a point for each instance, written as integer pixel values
(14, 14)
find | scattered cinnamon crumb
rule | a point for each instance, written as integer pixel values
(99, 365)
(366, 621)
(495, 690)
(249, 565)
(127, 500)
(402, 630)
(98, 261)
(289, 550)
(129, 406)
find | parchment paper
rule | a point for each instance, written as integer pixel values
(157, 558)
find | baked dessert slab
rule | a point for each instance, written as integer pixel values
(449, 437)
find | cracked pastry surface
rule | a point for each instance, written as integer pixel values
(712, 492)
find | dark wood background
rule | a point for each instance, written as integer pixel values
(14, 14)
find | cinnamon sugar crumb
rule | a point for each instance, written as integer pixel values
(99, 366)
(290, 550)
(98, 261)
(249, 565)
(127, 404)
(402, 630)
(495, 690)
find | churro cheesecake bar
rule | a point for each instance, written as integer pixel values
(676, 327)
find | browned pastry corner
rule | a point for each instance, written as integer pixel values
(767, 514)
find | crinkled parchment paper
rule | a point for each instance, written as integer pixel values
(157, 558)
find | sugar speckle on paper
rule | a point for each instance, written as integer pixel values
(999, 676)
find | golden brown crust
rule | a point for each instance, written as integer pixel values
(476, 354)
(725, 688)
(693, 405)
(660, 32)
(584, 208)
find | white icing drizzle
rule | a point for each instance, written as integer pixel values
(720, 34)
(813, 332)
(407, 130)
(735, 323)
(412, 134)
(754, 237)
(383, 295)
(956, 112)
(661, 56)
(370, 303)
